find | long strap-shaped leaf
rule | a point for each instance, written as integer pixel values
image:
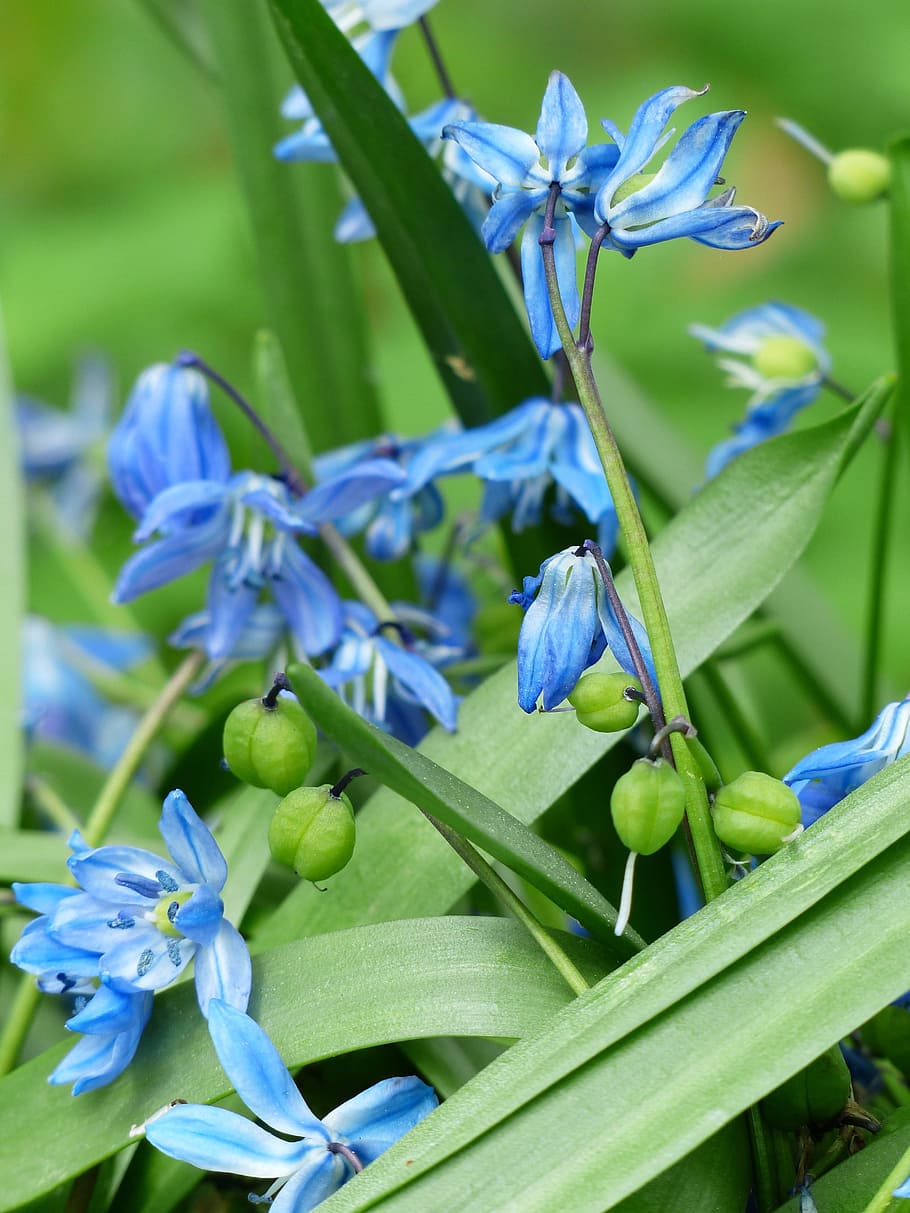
(479, 346)
(717, 562)
(774, 971)
(476, 817)
(316, 998)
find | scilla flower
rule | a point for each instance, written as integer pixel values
(641, 208)
(525, 170)
(567, 626)
(832, 772)
(779, 356)
(145, 918)
(311, 1158)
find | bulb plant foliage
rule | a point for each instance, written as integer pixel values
(559, 742)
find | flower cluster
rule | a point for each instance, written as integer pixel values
(130, 928)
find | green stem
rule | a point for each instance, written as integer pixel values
(876, 601)
(498, 887)
(356, 572)
(764, 1168)
(52, 804)
(896, 1176)
(19, 1021)
(707, 848)
(121, 775)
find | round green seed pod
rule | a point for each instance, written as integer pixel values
(647, 805)
(859, 175)
(270, 747)
(313, 832)
(782, 357)
(814, 1096)
(600, 703)
(755, 813)
(887, 1034)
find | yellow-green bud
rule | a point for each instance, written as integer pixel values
(858, 175)
(270, 747)
(782, 357)
(887, 1034)
(755, 813)
(814, 1096)
(313, 832)
(647, 805)
(600, 703)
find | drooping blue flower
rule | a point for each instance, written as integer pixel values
(830, 773)
(143, 918)
(245, 523)
(389, 525)
(568, 624)
(519, 456)
(524, 170)
(391, 682)
(262, 638)
(56, 446)
(641, 208)
(60, 704)
(755, 334)
(321, 1155)
(166, 436)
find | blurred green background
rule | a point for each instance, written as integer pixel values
(123, 228)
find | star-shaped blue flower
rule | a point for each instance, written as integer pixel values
(311, 1158)
(830, 773)
(524, 170)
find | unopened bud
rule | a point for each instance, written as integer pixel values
(859, 175)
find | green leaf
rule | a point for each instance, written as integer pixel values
(900, 259)
(481, 349)
(524, 763)
(12, 603)
(306, 277)
(276, 401)
(473, 815)
(752, 973)
(315, 998)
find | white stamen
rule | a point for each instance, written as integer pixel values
(139, 1130)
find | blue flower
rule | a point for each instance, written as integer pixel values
(783, 362)
(391, 683)
(524, 170)
(143, 918)
(567, 626)
(389, 523)
(828, 774)
(246, 523)
(518, 457)
(166, 436)
(642, 208)
(60, 704)
(320, 1156)
(56, 447)
(261, 638)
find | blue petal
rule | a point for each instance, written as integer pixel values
(223, 970)
(590, 170)
(190, 842)
(428, 124)
(617, 641)
(97, 1060)
(529, 455)
(107, 1012)
(727, 227)
(374, 1120)
(505, 153)
(776, 412)
(96, 870)
(172, 506)
(128, 967)
(230, 608)
(562, 127)
(506, 216)
(351, 488)
(424, 682)
(42, 897)
(83, 922)
(259, 1075)
(388, 536)
(171, 557)
(310, 143)
(639, 145)
(308, 600)
(37, 952)
(319, 1175)
(686, 177)
(450, 453)
(215, 1139)
(354, 223)
(119, 650)
(537, 300)
(199, 919)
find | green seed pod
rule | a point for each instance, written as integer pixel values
(270, 747)
(647, 805)
(600, 703)
(887, 1034)
(313, 832)
(858, 175)
(814, 1096)
(782, 357)
(755, 813)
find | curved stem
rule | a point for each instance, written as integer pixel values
(878, 568)
(707, 848)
